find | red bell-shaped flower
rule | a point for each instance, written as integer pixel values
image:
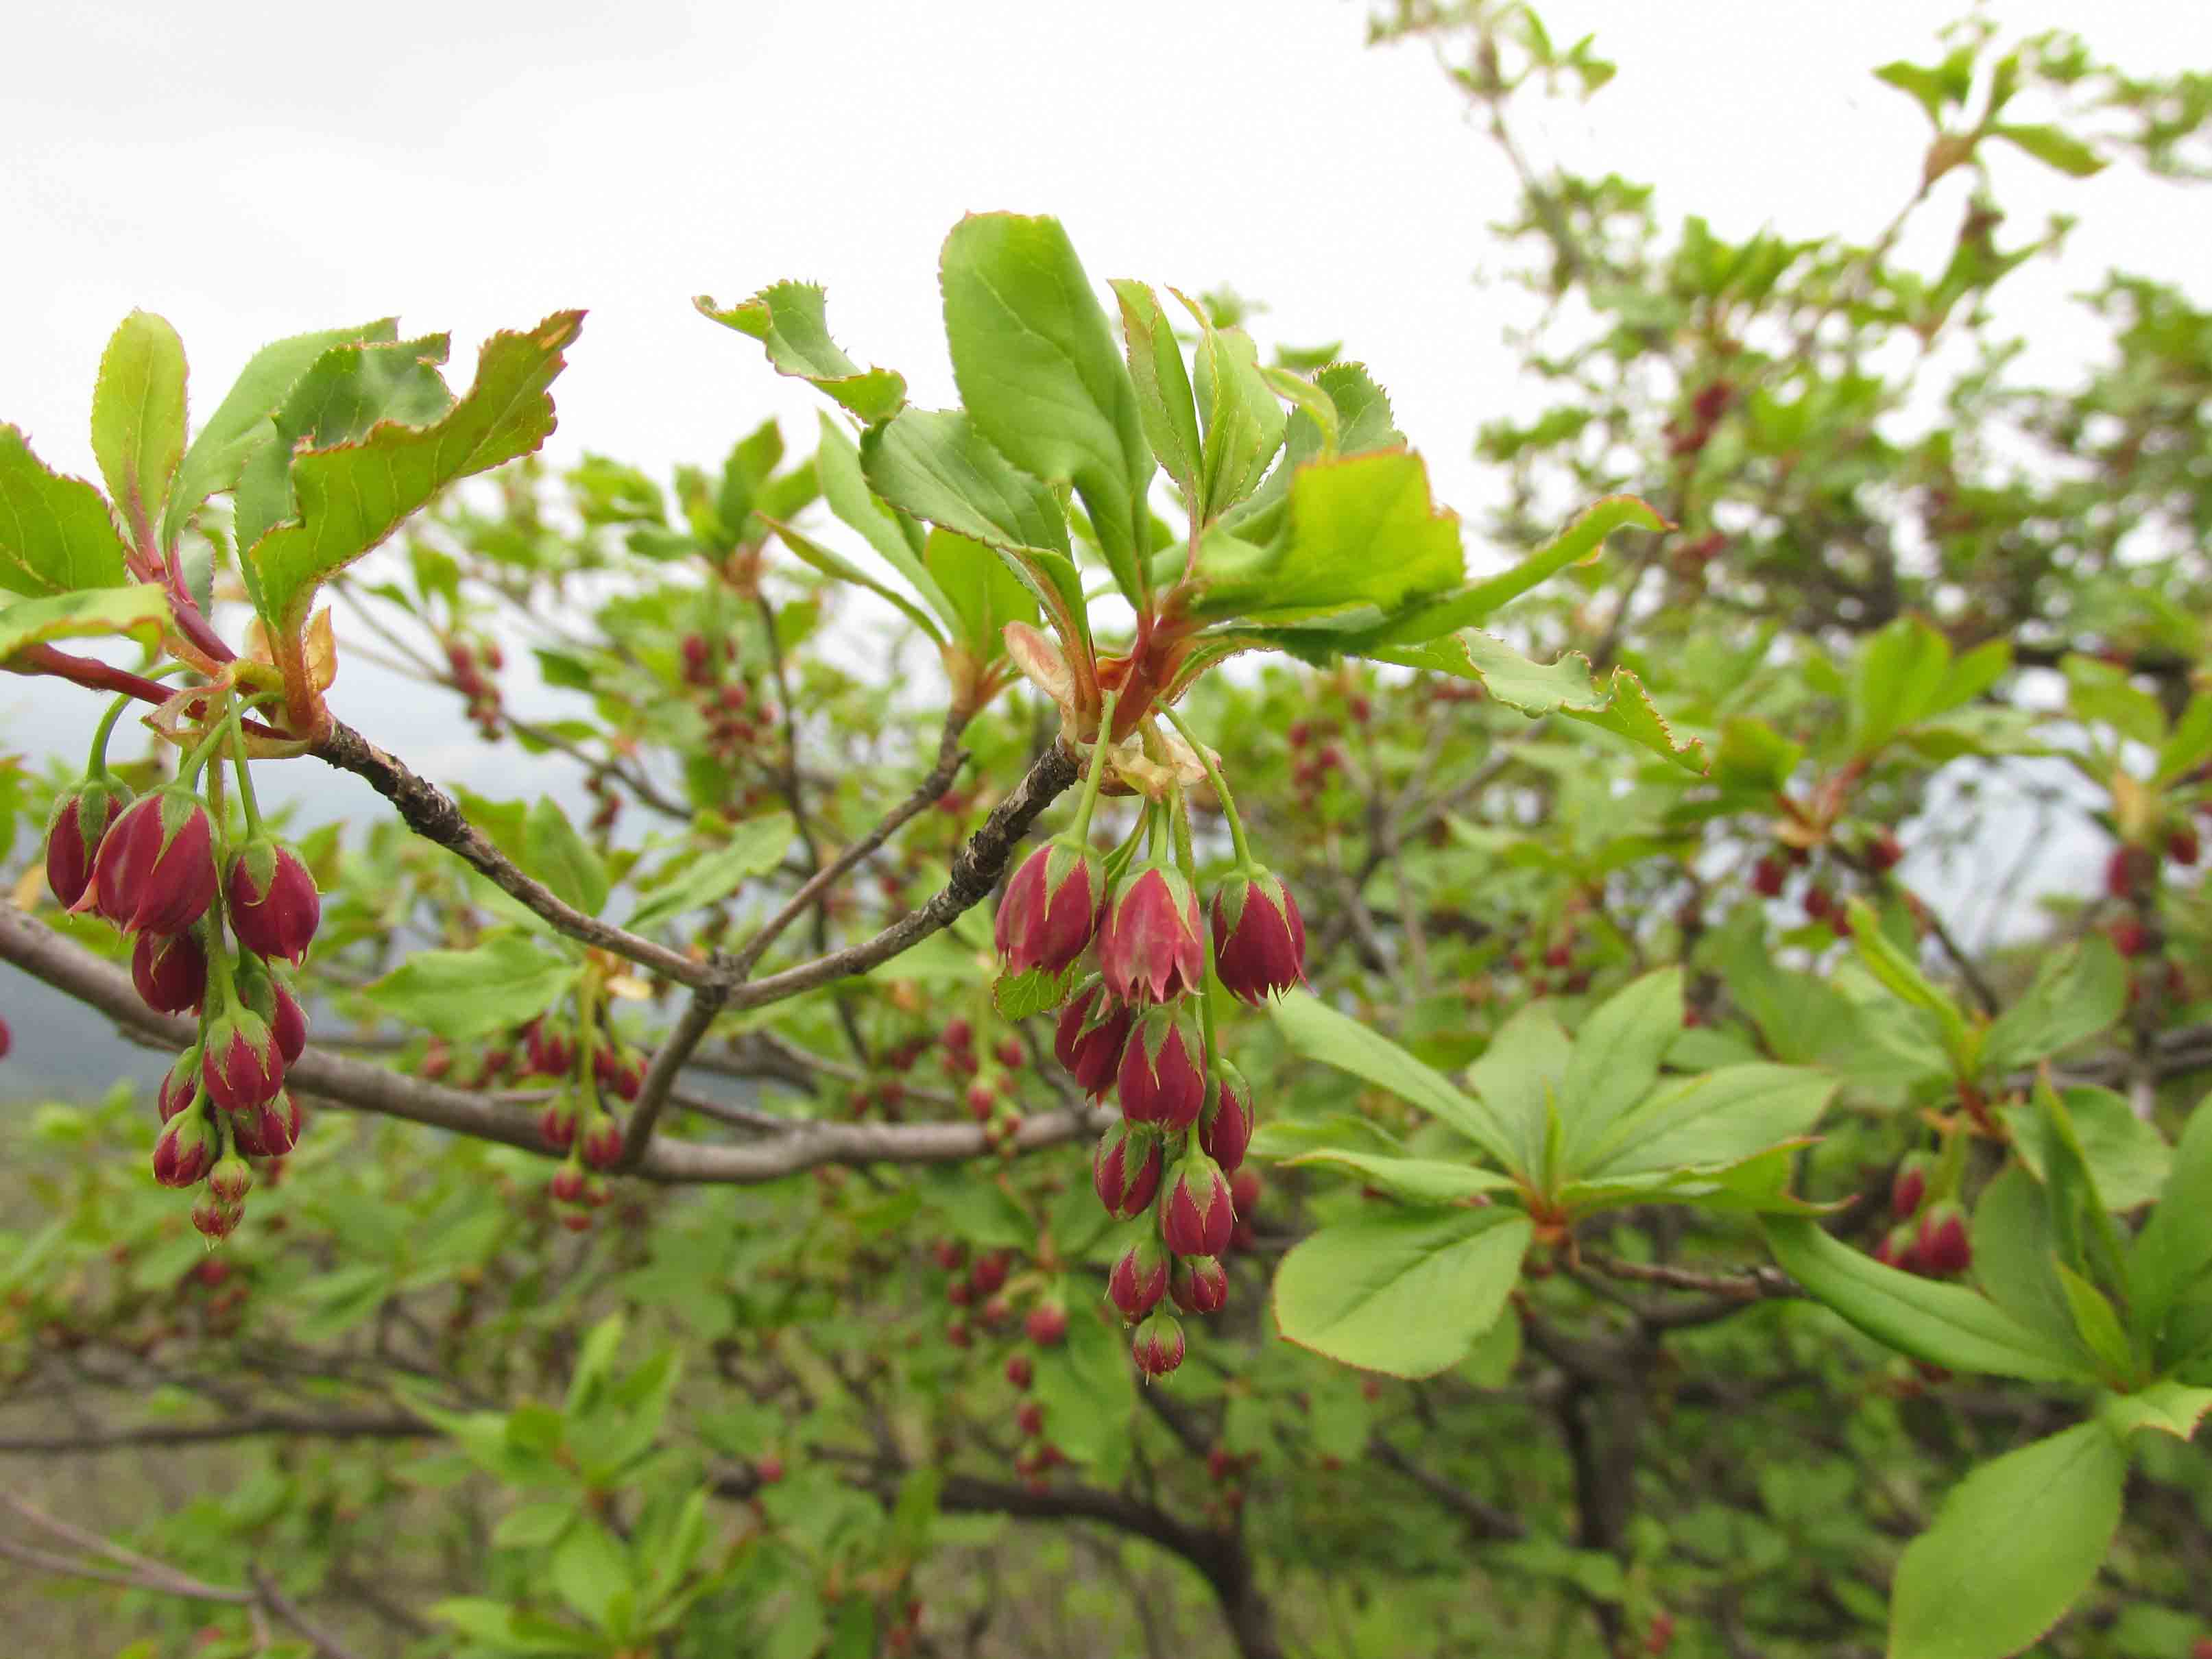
(274, 907)
(1158, 1345)
(270, 1130)
(170, 971)
(1225, 1128)
(74, 834)
(1941, 1246)
(602, 1141)
(1139, 1279)
(1124, 1170)
(1163, 1075)
(241, 1064)
(1199, 1285)
(1259, 938)
(1051, 907)
(184, 1151)
(155, 871)
(1197, 1214)
(1092, 1031)
(1150, 948)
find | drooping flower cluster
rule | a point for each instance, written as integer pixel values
(1135, 1029)
(157, 867)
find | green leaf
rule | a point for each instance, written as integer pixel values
(2188, 745)
(1578, 543)
(1363, 534)
(1621, 705)
(755, 846)
(355, 496)
(562, 859)
(840, 568)
(1420, 1180)
(335, 1303)
(2055, 1504)
(138, 418)
(2103, 692)
(1087, 1387)
(1164, 403)
(938, 468)
(534, 1526)
(1317, 1031)
(845, 487)
(141, 611)
(2076, 994)
(1242, 420)
(2014, 1258)
(1617, 1053)
(1900, 974)
(2097, 1324)
(341, 398)
(55, 534)
(2054, 148)
(1926, 87)
(1404, 1294)
(1040, 374)
(982, 589)
(461, 995)
(1896, 680)
(2128, 1160)
(2166, 1406)
(2175, 1246)
(589, 1570)
(1943, 1324)
(1719, 1118)
(790, 320)
(1518, 1078)
(239, 425)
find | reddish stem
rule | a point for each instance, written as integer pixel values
(96, 676)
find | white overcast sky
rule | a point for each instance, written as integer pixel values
(252, 171)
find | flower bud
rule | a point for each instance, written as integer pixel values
(548, 1050)
(1199, 1285)
(990, 1272)
(1163, 1072)
(230, 1180)
(1159, 1344)
(2182, 845)
(1139, 1279)
(155, 871)
(1259, 938)
(240, 1062)
(262, 989)
(1768, 875)
(1092, 1031)
(1050, 908)
(1942, 1245)
(178, 1084)
(1029, 1418)
(170, 971)
(1225, 1128)
(79, 822)
(602, 1141)
(556, 1125)
(270, 1131)
(1047, 1324)
(184, 1151)
(2130, 870)
(1021, 1372)
(1884, 851)
(1897, 1249)
(623, 1072)
(1150, 948)
(1197, 1214)
(288, 1020)
(274, 907)
(1911, 1184)
(215, 1219)
(1125, 1171)
(569, 1184)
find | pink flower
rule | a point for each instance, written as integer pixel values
(1150, 948)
